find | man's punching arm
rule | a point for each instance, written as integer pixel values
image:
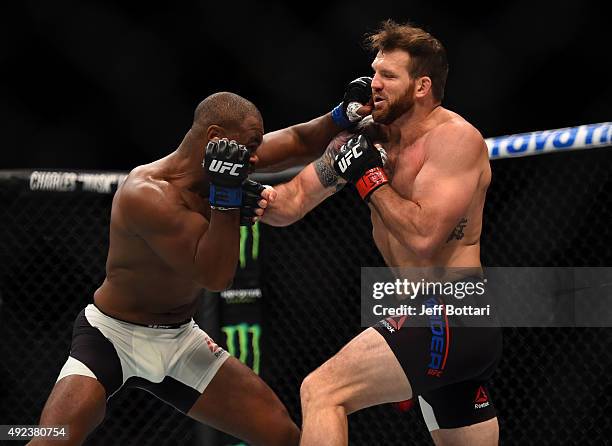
(206, 252)
(450, 178)
(295, 145)
(302, 143)
(290, 201)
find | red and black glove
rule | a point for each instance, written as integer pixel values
(361, 163)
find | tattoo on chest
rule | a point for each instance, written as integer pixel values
(324, 167)
(458, 231)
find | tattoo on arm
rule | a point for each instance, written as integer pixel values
(324, 167)
(458, 231)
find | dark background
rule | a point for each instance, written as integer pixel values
(110, 85)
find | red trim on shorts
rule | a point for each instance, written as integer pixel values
(447, 339)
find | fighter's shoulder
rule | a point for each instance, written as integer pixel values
(143, 195)
(456, 135)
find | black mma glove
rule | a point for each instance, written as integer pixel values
(226, 163)
(356, 94)
(251, 194)
(361, 163)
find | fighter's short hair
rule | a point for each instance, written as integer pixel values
(427, 54)
(224, 109)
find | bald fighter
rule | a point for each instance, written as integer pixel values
(174, 231)
(426, 202)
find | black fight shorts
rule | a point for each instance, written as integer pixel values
(447, 363)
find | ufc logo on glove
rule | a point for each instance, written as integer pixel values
(345, 161)
(222, 166)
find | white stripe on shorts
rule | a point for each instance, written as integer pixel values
(75, 367)
(428, 415)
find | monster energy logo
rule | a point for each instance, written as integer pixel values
(244, 235)
(242, 333)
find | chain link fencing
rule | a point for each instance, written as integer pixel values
(552, 385)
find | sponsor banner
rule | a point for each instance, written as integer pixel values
(549, 141)
(65, 181)
(240, 309)
(503, 296)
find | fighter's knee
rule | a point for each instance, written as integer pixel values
(317, 389)
(308, 388)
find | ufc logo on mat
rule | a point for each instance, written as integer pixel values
(222, 166)
(345, 161)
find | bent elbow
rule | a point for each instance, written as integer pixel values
(221, 286)
(217, 283)
(424, 248)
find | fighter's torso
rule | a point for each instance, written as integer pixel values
(409, 179)
(139, 286)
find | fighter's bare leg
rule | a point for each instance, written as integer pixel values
(78, 402)
(238, 402)
(363, 374)
(479, 434)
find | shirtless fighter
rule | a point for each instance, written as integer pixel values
(426, 207)
(170, 237)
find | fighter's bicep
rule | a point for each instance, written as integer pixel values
(446, 196)
(170, 229)
(449, 179)
(177, 243)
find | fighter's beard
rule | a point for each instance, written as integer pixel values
(394, 111)
(396, 108)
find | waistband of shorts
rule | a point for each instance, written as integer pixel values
(162, 326)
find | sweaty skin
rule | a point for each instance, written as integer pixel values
(433, 204)
(159, 259)
(442, 188)
(428, 215)
(139, 286)
(166, 245)
(164, 248)
(431, 212)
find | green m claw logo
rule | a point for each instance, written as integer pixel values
(244, 235)
(237, 340)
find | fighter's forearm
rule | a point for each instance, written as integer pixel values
(217, 251)
(308, 189)
(406, 220)
(296, 145)
(287, 208)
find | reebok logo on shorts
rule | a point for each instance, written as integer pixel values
(481, 400)
(392, 324)
(213, 347)
(397, 322)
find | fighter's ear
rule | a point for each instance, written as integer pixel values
(423, 86)
(215, 131)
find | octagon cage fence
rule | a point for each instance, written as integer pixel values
(552, 386)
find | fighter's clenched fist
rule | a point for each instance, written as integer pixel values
(226, 163)
(360, 162)
(356, 102)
